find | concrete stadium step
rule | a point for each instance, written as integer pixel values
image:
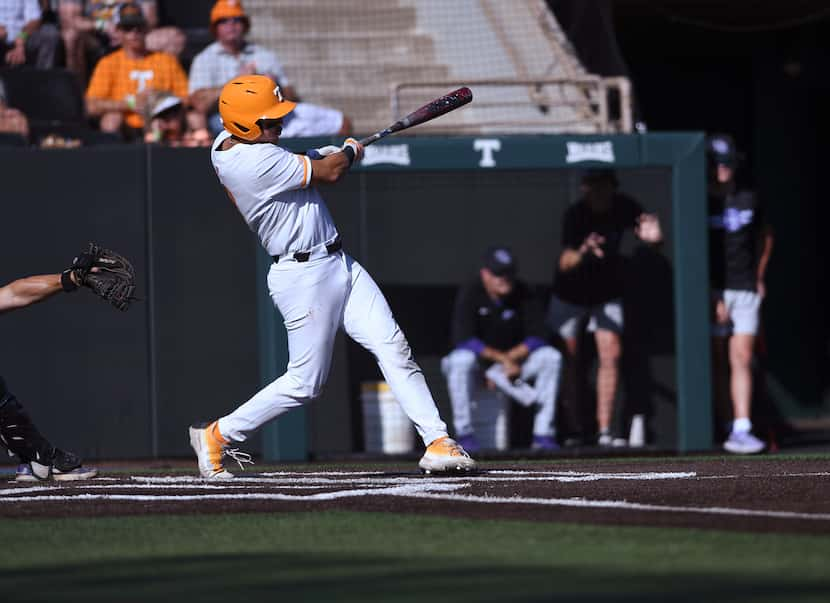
(311, 20)
(358, 106)
(371, 50)
(320, 79)
(338, 5)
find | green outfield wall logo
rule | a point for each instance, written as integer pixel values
(393, 154)
(590, 151)
(487, 146)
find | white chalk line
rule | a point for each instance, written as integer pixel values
(615, 504)
(762, 475)
(439, 488)
(402, 490)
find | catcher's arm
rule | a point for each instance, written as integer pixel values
(30, 290)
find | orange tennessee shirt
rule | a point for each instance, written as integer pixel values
(116, 76)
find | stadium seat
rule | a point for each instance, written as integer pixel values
(88, 136)
(53, 102)
(187, 15)
(45, 96)
(193, 18)
(8, 139)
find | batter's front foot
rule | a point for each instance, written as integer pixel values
(209, 447)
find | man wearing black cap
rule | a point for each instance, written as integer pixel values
(497, 327)
(589, 279)
(740, 245)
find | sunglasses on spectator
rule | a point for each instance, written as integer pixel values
(240, 20)
(129, 28)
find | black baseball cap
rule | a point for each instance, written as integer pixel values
(129, 14)
(721, 150)
(500, 261)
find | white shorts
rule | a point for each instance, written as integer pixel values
(308, 121)
(564, 318)
(743, 308)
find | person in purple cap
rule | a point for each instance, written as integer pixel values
(498, 333)
(740, 246)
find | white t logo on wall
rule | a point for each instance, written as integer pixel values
(590, 151)
(487, 146)
(142, 76)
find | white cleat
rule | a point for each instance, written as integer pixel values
(209, 451)
(446, 455)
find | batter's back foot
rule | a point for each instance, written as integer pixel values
(445, 455)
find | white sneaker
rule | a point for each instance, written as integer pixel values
(209, 450)
(24, 473)
(73, 475)
(743, 443)
(445, 454)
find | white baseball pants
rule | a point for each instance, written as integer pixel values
(463, 374)
(316, 298)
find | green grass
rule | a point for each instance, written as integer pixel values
(340, 556)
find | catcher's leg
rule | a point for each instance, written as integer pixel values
(19, 434)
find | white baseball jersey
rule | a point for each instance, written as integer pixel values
(270, 187)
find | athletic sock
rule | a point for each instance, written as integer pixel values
(741, 426)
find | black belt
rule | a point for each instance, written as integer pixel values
(304, 256)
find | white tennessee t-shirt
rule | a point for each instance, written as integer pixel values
(270, 187)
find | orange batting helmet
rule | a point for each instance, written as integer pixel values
(247, 99)
(228, 9)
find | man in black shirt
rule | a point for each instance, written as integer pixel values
(39, 458)
(740, 245)
(588, 284)
(498, 331)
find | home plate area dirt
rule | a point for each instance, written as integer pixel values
(763, 495)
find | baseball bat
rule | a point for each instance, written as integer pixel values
(445, 104)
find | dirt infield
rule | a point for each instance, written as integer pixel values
(763, 495)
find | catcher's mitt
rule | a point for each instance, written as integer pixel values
(110, 275)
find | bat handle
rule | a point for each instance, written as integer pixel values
(373, 138)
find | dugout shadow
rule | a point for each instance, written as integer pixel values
(343, 578)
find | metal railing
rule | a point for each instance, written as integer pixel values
(588, 96)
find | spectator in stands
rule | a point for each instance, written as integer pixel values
(498, 334)
(167, 123)
(740, 245)
(12, 121)
(89, 32)
(120, 85)
(231, 56)
(25, 38)
(588, 284)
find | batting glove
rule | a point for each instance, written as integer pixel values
(322, 152)
(353, 149)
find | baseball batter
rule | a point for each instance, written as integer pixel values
(315, 285)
